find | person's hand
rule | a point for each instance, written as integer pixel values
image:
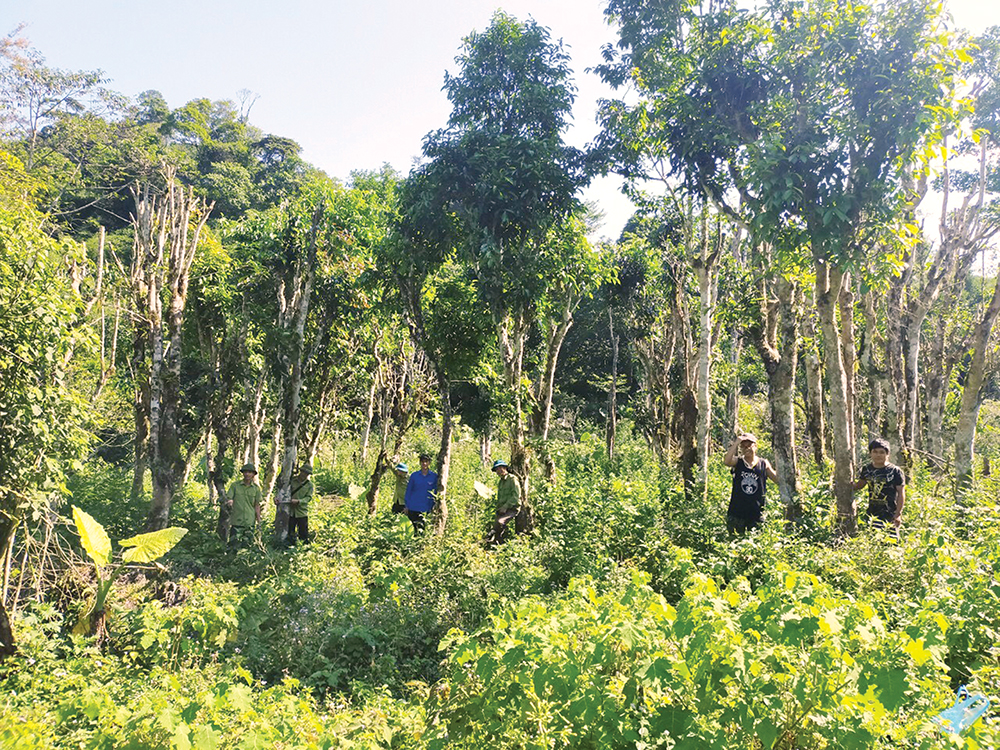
(229, 503)
(897, 521)
(294, 501)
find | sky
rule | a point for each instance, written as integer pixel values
(357, 84)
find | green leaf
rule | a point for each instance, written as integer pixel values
(205, 738)
(93, 537)
(145, 548)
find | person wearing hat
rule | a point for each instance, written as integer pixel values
(298, 509)
(421, 489)
(246, 500)
(750, 475)
(402, 478)
(508, 501)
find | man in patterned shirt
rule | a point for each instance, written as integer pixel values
(886, 486)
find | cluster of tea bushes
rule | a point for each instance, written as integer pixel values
(626, 619)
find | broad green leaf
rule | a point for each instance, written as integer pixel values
(355, 491)
(145, 548)
(482, 490)
(205, 738)
(239, 698)
(93, 537)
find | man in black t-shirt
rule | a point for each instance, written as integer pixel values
(750, 475)
(886, 486)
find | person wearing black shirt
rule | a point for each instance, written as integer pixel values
(750, 475)
(886, 486)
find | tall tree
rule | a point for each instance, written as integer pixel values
(40, 412)
(509, 179)
(806, 113)
(167, 229)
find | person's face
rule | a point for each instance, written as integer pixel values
(879, 456)
(248, 477)
(502, 471)
(748, 447)
(400, 473)
(425, 465)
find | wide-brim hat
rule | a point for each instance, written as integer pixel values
(498, 463)
(747, 436)
(248, 468)
(401, 467)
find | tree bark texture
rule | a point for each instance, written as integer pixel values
(778, 345)
(294, 295)
(829, 282)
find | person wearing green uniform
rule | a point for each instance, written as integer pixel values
(298, 510)
(246, 500)
(508, 502)
(402, 473)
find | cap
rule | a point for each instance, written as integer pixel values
(498, 463)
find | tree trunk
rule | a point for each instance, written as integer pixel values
(444, 454)
(167, 232)
(140, 411)
(294, 298)
(485, 449)
(512, 332)
(849, 352)
(778, 347)
(815, 416)
(706, 271)
(968, 413)
(273, 458)
(8, 525)
(828, 286)
(733, 397)
(370, 414)
(612, 422)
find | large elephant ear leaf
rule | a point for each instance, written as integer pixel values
(145, 548)
(93, 537)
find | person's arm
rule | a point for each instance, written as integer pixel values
(771, 473)
(230, 494)
(860, 482)
(900, 502)
(411, 487)
(259, 505)
(730, 458)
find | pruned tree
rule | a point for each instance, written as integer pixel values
(167, 230)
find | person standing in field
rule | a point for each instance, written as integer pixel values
(246, 500)
(421, 489)
(508, 502)
(750, 475)
(298, 509)
(886, 486)
(402, 479)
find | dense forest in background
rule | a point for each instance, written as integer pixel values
(812, 257)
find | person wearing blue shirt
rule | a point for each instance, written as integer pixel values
(420, 493)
